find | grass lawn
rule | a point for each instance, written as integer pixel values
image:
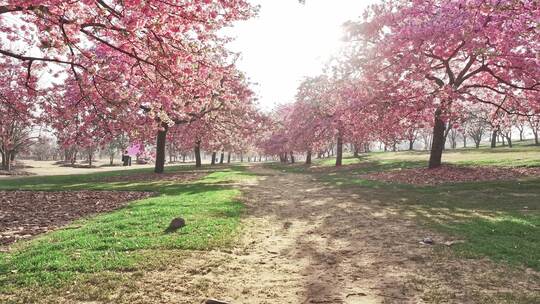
(499, 220)
(127, 239)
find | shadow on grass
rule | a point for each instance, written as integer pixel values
(127, 238)
(497, 219)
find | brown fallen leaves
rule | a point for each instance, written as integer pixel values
(175, 176)
(451, 174)
(27, 213)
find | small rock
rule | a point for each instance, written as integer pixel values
(212, 301)
(427, 241)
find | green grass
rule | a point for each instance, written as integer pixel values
(499, 219)
(129, 238)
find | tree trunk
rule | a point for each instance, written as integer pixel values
(355, 147)
(183, 158)
(90, 158)
(241, 157)
(411, 145)
(464, 141)
(339, 152)
(3, 160)
(536, 142)
(198, 162)
(213, 158)
(308, 157)
(8, 161)
(229, 158)
(494, 139)
(222, 157)
(160, 149)
(292, 157)
(437, 144)
(111, 159)
(520, 135)
(509, 140)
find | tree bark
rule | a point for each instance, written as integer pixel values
(411, 145)
(213, 158)
(292, 157)
(3, 160)
(198, 162)
(536, 142)
(229, 158)
(308, 157)
(509, 140)
(437, 145)
(8, 161)
(494, 139)
(339, 152)
(160, 149)
(222, 157)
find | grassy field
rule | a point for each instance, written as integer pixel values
(499, 220)
(128, 239)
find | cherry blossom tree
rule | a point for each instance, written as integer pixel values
(436, 55)
(18, 104)
(165, 58)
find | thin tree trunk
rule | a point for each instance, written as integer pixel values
(536, 142)
(292, 157)
(213, 162)
(411, 145)
(222, 157)
(4, 165)
(494, 139)
(198, 162)
(160, 149)
(339, 152)
(437, 146)
(509, 140)
(229, 158)
(308, 157)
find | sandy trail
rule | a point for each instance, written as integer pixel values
(309, 243)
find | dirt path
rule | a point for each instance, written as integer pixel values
(309, 243)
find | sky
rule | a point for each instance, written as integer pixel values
(289, 41)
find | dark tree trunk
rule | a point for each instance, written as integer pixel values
(411, 145)
(520, 135)
(437, 145)
(536, 142)
(464, 141)
(509, 140)
(213, 162)
(3, 160)
(8, 161)
(90, 158)
(292, 157)
(183, 158)
(339, 152)
(241, 157)
(229, 158)
(308, 158)
(198, 162)
(494, 139)
(222, 157)
(160, 149)
(355, 148)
